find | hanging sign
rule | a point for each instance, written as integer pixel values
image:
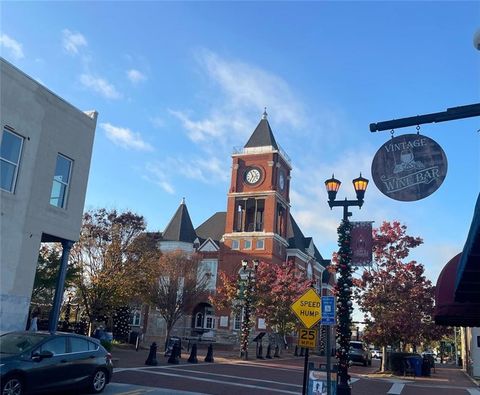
(409, 167)
(361, 243)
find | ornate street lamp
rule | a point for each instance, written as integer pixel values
(247, 281)
(344, 282)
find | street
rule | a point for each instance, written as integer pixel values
(276, 376)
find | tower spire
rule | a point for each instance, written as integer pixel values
(264, 115)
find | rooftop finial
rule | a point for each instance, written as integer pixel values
(183, 200)
(265, 115)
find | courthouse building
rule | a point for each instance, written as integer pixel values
(257, 225)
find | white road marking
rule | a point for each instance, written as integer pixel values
(240, 378)
(220, 381)
(473, 391)
(396, 389)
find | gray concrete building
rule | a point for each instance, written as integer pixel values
(46, 147)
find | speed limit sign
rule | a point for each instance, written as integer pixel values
(307, 338)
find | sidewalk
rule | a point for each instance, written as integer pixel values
(125, 356)
(443, 375)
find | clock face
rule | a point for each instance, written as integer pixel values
(281, 181)
(252, 176)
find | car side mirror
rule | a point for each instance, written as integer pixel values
(38, 356)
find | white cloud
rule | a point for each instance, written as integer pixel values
(157, 174)
(73, 41)
(13, 46)
(100, 85)
(136, 76)
(125, 138)
(157, 122)
(244, 91)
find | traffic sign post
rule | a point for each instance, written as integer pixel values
(307, 338)
(308, 308)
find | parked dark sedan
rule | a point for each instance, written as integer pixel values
(32, 362)
(359, 353)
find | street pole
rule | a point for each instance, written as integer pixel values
(305, 372)
(344, 282)
(329, 361)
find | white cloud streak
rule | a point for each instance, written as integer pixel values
(100, 85)
(72, 42)
(13, 46)
(125, 138)
(136, 76)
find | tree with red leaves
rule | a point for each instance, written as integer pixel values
(276, 288)
(395, 295)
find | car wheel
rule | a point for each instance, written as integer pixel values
(369, 362)
(365, 362)
(98, 381)
(12, 386)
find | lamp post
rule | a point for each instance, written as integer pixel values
(247, 283)
(344, 282)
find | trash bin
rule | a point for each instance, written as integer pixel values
(416, 363)
(426, 366)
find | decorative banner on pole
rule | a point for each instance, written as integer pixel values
(361, 243)
(409, 167)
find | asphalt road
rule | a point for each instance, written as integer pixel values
(276, 376)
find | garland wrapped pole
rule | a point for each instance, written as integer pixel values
(344, 281)
(344, 304)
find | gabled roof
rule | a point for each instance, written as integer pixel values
(180, 227)
(296, 239)
(262, 135)
(213, 227)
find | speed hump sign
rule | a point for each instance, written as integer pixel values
(307, 338)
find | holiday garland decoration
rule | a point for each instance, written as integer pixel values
(344, 299)
(121, 323)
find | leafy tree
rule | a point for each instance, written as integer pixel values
(276, 288)
(46, 275)
(394, 295)
(107, 259)
(175, 287)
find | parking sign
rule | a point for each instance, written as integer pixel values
(328, 310)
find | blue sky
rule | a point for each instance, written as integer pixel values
(178, 84)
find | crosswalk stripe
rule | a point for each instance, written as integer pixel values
(396, 389)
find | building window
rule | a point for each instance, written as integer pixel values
(136, 318)
(237, 321)
(207, 272)
(209, 322)
(199, 320)
(249, 215)
(248, 244)
(260, 244)
(61, 180)
(235, 245)
(10, 151)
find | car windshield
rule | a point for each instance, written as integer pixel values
(357, 346)
(16, 343)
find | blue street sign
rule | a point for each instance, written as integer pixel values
(328, 310)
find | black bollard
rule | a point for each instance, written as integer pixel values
(260, 351)
(209, 357)
(295, 353)
(302, 351)
(269, 352)
(174, 355)
(152, 355)
(193, 355)
(277, 352)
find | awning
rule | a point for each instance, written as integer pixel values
(467, 285)
(448, 311)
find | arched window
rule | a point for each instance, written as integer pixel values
(199, 320)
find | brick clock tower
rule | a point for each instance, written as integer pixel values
(258, 200)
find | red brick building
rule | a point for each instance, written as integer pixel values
(257, 225)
